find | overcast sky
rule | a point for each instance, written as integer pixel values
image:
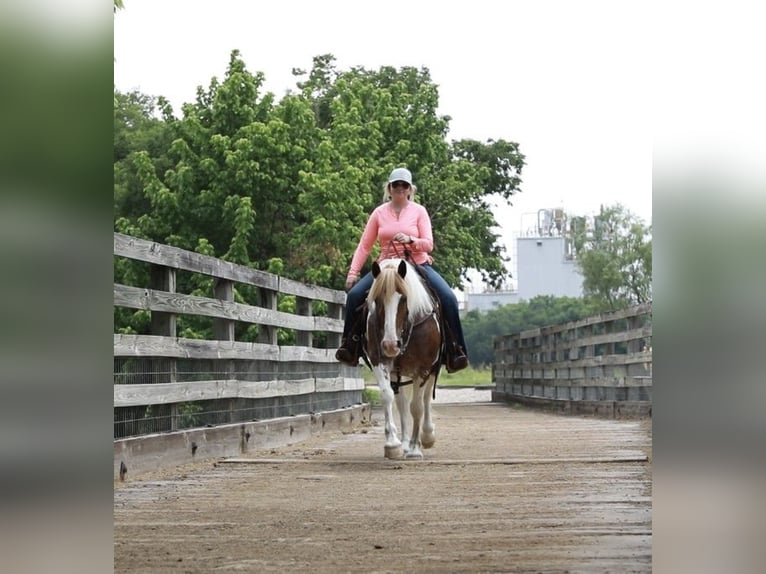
(566, 80)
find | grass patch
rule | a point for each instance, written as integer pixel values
(371, 395)
(466, 378)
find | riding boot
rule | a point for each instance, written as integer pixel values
(456, 358)
(348, 352)
(351, 346)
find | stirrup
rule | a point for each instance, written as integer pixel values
(457, 364)
(346, 355)
(456, 360)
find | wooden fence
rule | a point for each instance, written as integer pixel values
(600, 365)
(164, 382)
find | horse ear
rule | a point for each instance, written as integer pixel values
(402, 268)
(375, 269)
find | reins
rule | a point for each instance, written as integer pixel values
(407, 252)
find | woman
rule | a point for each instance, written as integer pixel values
(398, 219)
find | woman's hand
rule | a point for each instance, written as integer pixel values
(403, 238)
(351, 281)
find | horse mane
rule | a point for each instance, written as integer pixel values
(389, 281)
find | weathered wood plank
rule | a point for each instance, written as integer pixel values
(291, 287)
(137, 298)
(311, 354)
(164, 393)
(153, 346)
(332, 384)
(643, 309)
(614, 382)
(152, 252)
(604, 409)
(602, 360)
(328, 324)
(604, 338)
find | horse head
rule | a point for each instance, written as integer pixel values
(388, 307)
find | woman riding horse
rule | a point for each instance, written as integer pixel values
(399, 219)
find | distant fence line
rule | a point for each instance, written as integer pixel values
(163, 382)
(600, 365)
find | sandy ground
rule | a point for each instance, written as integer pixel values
(503, 490)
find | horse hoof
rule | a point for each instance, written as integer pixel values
(392, 451)
(414, 454)
(428, 442)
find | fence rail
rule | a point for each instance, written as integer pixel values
(164, 382)
(600, 365)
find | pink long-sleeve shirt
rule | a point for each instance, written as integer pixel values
(383, 224)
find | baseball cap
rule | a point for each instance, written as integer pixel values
(400, 174)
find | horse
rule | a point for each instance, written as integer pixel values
(404, 341)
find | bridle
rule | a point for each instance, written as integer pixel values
(408, 327)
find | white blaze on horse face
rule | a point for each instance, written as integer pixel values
(390, 341)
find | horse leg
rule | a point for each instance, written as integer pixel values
(393, 446)
(428, 438)
(403, 408)
(416, 409)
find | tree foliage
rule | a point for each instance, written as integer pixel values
(480, 328)
(291, 182)
(296, 179)
(614, 256)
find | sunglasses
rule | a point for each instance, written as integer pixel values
(400, 185)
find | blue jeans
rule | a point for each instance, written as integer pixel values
(358, 292)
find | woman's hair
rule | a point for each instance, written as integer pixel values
(410, 193)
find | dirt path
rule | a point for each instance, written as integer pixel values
(503, 490)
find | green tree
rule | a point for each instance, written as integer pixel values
(374, 120)
(293, 181)
(137, 129)
(614, 256)
(480, 329)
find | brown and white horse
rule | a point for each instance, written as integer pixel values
(404, 344)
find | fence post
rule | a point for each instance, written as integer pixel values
(164, 324)
(223, 329)
(334, 311)
(303, 307)
(163, 279)
(268, 333)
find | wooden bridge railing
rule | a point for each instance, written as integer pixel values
(163, 382)
(599, 365)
